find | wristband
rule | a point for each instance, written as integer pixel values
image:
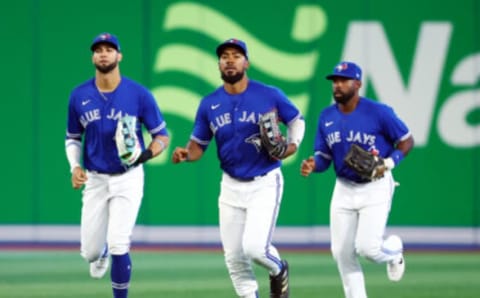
(161, 143)
(146, 155)
(397, 156)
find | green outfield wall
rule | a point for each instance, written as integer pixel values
(421, 57)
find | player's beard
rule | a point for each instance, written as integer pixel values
(344, 97)
(232, 79)
(106, 68)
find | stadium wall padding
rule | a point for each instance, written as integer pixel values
(424, 62)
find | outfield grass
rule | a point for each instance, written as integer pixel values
(202, 274)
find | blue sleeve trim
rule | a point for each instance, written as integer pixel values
(321, 164)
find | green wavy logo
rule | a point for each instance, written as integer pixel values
(309, 23)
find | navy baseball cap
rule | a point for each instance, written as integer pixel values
(233, 42)
(105, 38)
(347, 70)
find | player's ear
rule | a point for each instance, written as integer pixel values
(119, 56)
(358, 84)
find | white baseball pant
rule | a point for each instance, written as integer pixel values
(109, 212)
(248, 215)
(358, 217)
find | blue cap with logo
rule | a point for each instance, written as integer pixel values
(233, 42)
(105, 38)
(347, 70)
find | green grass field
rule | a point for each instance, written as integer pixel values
(202, 274)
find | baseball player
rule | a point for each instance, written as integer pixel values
(113, 183)
(359, 207)
(252, 182)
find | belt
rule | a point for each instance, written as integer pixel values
(114, 173)
(248, 179)
(359, 182)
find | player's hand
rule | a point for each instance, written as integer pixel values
(379, 171)
(307, 167)
(291, 149)
(179, 155)
(79, 177)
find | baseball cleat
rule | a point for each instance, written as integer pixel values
(279, 284)
(396, 268)
(99, 267)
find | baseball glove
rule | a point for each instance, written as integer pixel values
(364, 163)
(126, 139)
(271, 136)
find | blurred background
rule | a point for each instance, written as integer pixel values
(420, 57)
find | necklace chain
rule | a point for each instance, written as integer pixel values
(102, 95)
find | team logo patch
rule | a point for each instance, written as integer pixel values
(342, 67)
(255, 141)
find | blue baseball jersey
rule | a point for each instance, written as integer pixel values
(94, 116)
(233, 120)
(372, 125)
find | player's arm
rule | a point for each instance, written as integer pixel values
(396, 130)
(406, 145)
(321, 160)
(192, 152)
(73, 145)
(295, 133)
(79, 177)
(402, 149)
(153, 121)
(158, 145)
(73, 149)
(199, 138)
(307, 166)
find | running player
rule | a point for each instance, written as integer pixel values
(359, 208)
(113, 190)
(252, 182)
